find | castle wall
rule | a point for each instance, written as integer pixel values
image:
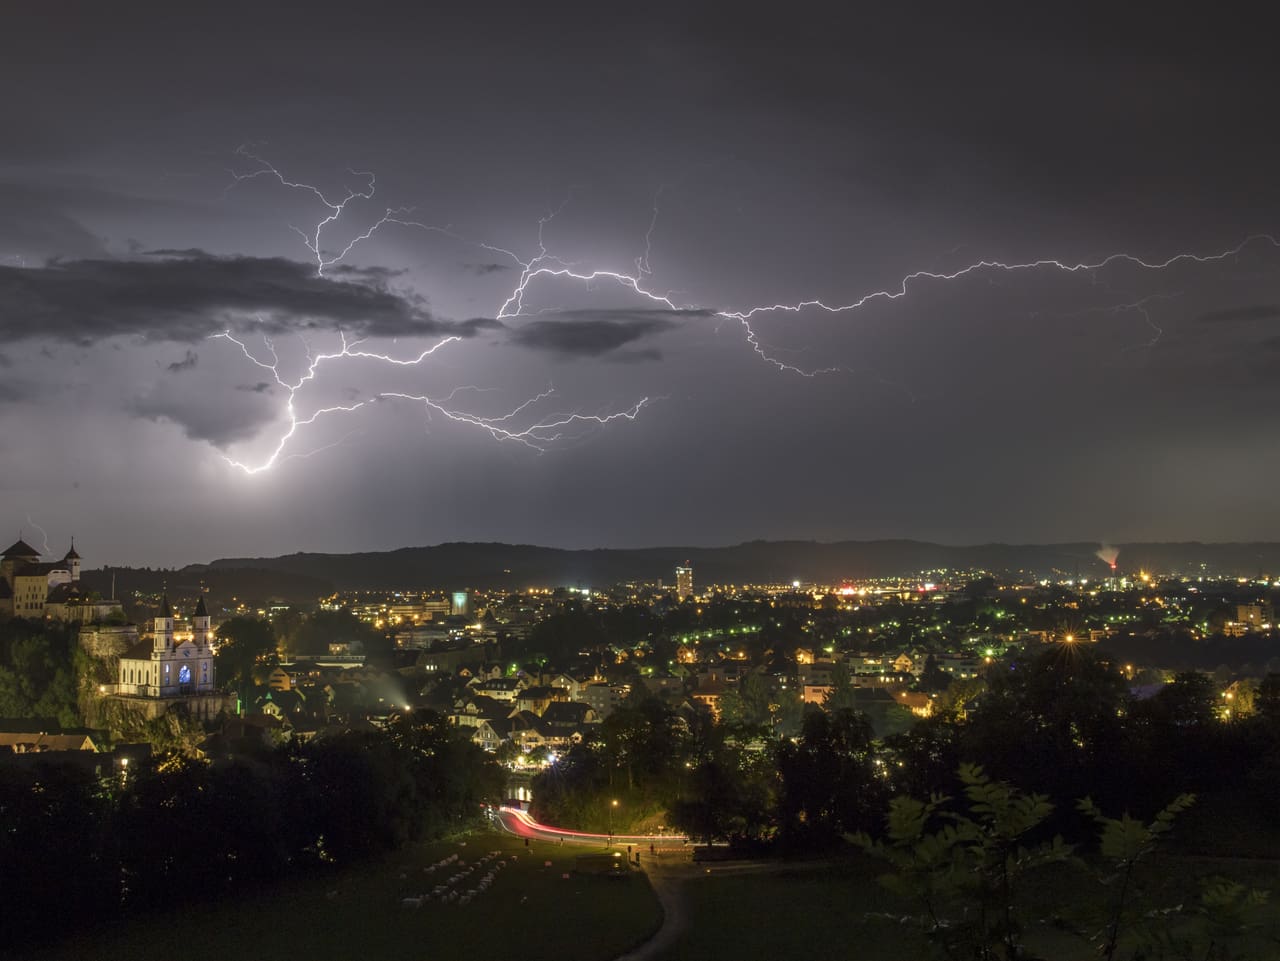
(108, 640)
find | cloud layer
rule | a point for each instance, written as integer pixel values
(184, 296)
(595, 333)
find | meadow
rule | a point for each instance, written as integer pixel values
(529, 910)
(838, 910)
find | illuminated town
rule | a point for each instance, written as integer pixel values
(667, 716)
(638, 482)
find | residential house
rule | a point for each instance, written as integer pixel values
(538, 699)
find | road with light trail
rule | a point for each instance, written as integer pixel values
(521, 823)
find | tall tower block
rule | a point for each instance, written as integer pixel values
(684, 581)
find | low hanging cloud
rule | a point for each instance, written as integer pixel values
(597, 333)
(188, 362)
(232, 419)
(483, 270)
(185, 296)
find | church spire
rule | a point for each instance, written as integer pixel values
(163, 626)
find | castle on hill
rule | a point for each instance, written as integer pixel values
(143, 674)
(30, 587)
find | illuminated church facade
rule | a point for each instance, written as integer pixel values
(168, 664)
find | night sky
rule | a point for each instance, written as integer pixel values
(721, 161)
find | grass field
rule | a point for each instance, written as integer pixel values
(820, 913)
(530, 912)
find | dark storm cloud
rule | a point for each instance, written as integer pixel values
(5, 361)
(184, 252)
(219, 424)
(190, 295)
(1246, 313)
(364, 274)
(189, 360)
(635, 356)
(594, 333)
(867, 142)
(12, 393)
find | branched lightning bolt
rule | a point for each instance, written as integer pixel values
(538, 436)
(538, 267)
(547, 266)
(1140, 306)
(984, 265)
(642, 262)
(390, 215)
(292, 389)
(314, 361)
(47, 549)
(901, 290)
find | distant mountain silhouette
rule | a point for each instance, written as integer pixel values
(456, 566)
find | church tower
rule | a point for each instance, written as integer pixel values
(162, 628)
(201, 632)
(73, 562)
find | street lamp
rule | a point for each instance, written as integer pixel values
(612, 804)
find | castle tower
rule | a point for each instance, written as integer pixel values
(73, 562)
(17, 556)
(201, 632)
(162, 627)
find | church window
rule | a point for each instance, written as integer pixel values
(184, 674)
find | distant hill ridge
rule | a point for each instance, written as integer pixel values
(494, 565)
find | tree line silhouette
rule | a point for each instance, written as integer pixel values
(77, 850)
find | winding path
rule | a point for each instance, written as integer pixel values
(668, 884)
(667, 872)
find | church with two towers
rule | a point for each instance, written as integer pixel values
(169, 664)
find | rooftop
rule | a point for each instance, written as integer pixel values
(22, 549)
